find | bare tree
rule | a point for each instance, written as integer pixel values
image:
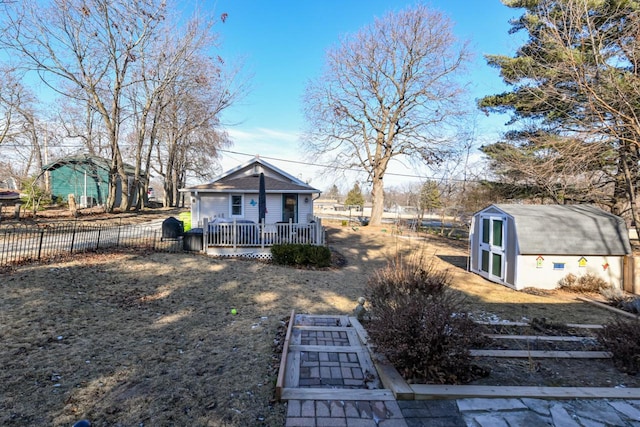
(180, 86)
(81, 122)
(11, 99)
(190, 129)
(19, 123)
(84, 49)
(390, 90)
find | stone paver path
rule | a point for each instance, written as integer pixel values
(330, 380)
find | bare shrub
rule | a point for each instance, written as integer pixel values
(614, 296)
(585, 283)
(620, 299)
(622, 338)
(419, 325)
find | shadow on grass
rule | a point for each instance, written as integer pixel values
(456, 260)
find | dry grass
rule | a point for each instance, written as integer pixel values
(148, 338)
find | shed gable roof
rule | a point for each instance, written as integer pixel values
(567, 230)
(85, 159)
(242, 179)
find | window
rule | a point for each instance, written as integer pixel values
(497, 233)
(485, 261)
(236, 205)
(485, 230)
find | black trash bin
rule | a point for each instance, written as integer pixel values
(192, 240)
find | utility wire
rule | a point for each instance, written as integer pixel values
(299, 162)
(344, 167)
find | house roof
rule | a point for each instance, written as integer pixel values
(85, 159)
(234, 181)
(567, 230)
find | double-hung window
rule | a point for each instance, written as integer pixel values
(236, 205)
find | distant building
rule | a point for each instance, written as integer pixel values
(87, 178)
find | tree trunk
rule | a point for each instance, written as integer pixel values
(629, 165)
(377, 200)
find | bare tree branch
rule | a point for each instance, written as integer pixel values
(389, 90)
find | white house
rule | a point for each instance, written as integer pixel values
(234, 194)
(227, 209)
(524, 246)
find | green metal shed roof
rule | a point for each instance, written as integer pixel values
(86, 159)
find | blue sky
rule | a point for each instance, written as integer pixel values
(283, 45)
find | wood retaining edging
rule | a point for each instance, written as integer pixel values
(435, 391)
(392, 380)
(607, 307)
(283, 360)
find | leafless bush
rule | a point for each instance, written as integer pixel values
(583, 284)
(419, 324)
(620, 299)
(622, 338)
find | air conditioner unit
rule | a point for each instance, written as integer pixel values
(86, 201)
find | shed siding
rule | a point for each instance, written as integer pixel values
(511, 252)
(475, 246)
(545, 277)
(70, 179)
(274, 208)
(305, 210)
(251, 207)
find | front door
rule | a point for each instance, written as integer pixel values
(492, 247)
(290, 208)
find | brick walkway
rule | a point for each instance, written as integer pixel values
(330, 380)
(348, 413)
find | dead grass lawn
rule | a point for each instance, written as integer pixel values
(148, 338)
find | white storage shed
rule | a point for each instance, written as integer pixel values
(523, 246)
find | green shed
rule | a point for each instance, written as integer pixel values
(86, 177)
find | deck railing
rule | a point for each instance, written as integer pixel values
(243, 234)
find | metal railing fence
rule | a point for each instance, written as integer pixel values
(22, 243)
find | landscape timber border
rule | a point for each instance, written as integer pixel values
(283, 360)
(392, 380)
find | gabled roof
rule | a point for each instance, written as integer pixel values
(238, 180)
(567, 230)
(85, 159)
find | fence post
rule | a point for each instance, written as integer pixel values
(234, 234)
(98, 240)
(73, 238)
(40, 243)
(262, 233)
(205, 234)
(292, 237)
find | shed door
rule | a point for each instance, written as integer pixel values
(492, 247)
